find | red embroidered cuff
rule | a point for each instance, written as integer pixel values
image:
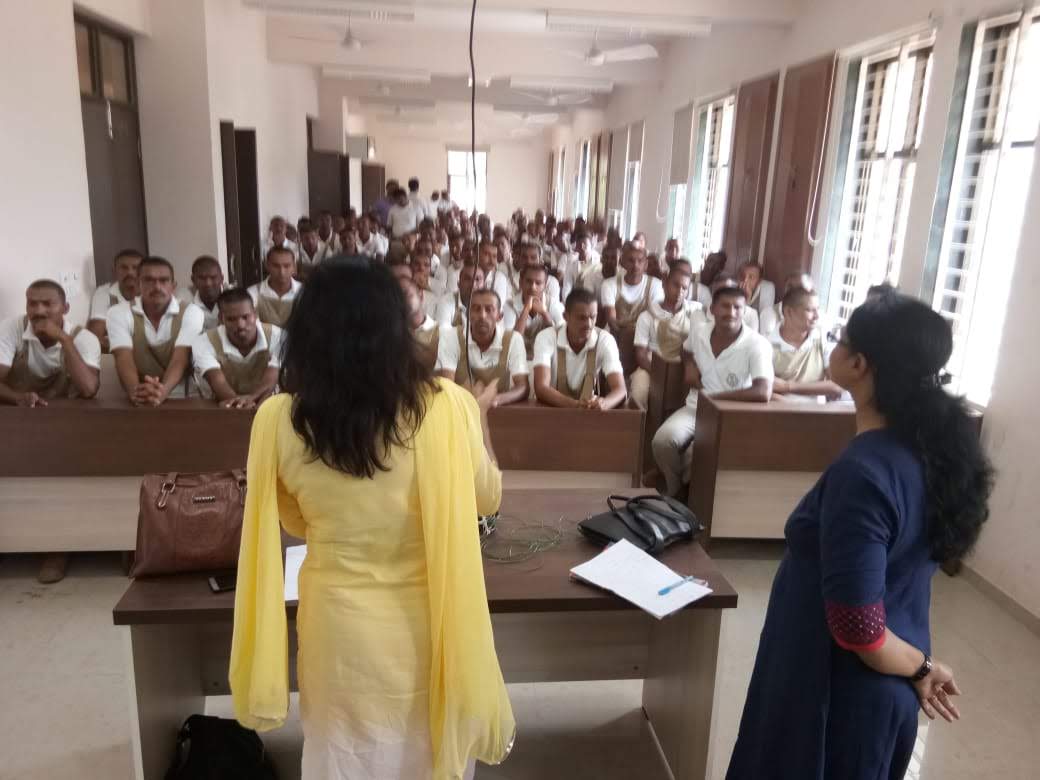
(860, 629)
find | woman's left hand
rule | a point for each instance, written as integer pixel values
(934, 693)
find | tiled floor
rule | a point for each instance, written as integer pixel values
(64, 712)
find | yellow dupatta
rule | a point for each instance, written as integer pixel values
(470, 713)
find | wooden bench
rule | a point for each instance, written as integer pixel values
(70, 477)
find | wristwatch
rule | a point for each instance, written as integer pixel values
(924, 671)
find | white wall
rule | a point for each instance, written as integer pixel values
(173, 88)
(44, 207)
(516, 170)
(273, 99)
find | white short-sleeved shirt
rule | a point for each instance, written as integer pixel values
(205, 357)
(448, 353)
(448, 277)
(701, 293)
(120, 322)
(632, 293)
(292, 246)
(44, 361)
(264, 289)
(703, 316)
(770, 319)
(323, 251)
(646, 323)
(333, 243)
(498, 281)
(186, 295)
(748, 358)
(765, 296)
(515, 306)
(447, 306)
(816, 336)
(100, 302)
(590, 273)
(402, 220)
(608, 361)
(376, 245)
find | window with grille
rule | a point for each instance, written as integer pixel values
(676, 209)
(707, 218)
(998, 137)
(557, 205)
(886, 134)
(470, 194)
(581, 189)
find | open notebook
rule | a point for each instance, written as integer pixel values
(633, 575)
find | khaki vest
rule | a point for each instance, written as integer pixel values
(428, 343)
(627, 313)
(153, 360)
(20, 379)
(500, 373)
(457, 320)
(802, 365)
(671, 335)
(589, 383)
(273, 311)
(583, 275)
(243, 376)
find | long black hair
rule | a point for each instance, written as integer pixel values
(351, 363)
(907, 345)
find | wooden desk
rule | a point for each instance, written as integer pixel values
(752, 462)
(547, 629)
(71, 481)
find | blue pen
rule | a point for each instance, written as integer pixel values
(669, 588)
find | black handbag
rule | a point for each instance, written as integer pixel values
(211, 748)
(651, 522)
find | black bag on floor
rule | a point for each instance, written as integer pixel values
(211, 748)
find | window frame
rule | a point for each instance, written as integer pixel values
(94, 31)
(707, 203)
(480, 153)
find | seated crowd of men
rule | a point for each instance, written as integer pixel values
(560, 311)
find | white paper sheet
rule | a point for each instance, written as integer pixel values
(629, 572)
(293, 561)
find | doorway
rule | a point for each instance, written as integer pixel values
(241, 205)
(112, 140)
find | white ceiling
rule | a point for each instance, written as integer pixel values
(418, 50)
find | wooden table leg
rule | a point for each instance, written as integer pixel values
(165, 688)
(679, 689)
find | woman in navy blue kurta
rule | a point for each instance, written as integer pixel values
(843, 663)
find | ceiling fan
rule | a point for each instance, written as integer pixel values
(554, 98)
(349, 40)
(595, 56)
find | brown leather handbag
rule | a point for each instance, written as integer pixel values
(189, 522)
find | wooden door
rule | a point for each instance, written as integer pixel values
(325, 175)
(232, 222)
(373, 184)
(752, 147)
(794, 205)
(115, 186)
(248, 207)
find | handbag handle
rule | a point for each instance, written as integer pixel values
(674, 510)
(648, 539)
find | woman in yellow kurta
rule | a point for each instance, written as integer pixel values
(383, 470)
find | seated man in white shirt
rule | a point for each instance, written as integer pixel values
(493, 354)
(123, 289)
(207, 282)
(533, 309)
(274, 296)
(714, 265)
(728, 361)
(671, 253)
(569, 359)
(237, 362)
(327, 233)
(531, 254)
(349, 241)
(770, 319)
(625, 297)
(312, 249)
(403, 217)
(151, 338)
(451, 309)
(801, 349)
(583, 269)
(279, 238)
(704, 316)
(42, 357)
(448, 272)
(662, 330)
(422, 277)
(424, 327)
(371, 243)
(494, 277)
(761, 293)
